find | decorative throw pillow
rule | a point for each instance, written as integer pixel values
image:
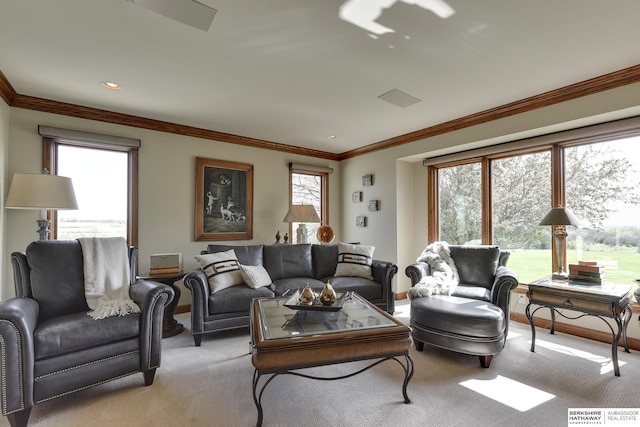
(354, 260)
(222, 269)
(255, 276)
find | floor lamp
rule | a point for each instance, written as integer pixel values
(559, 218)
(41, 191)
(301, 214)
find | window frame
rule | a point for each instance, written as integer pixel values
(324, 192)
(555, 143)
(50, 162)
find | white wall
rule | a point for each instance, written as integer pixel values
(166, 186)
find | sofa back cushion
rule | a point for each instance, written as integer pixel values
(247, 255)
(476, 265)
(325, 260)
(284, 261)
(57, 277)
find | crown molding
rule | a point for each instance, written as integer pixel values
(601, 83)
(57, 107)
(7, 92)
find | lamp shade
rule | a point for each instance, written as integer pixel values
(559, 216)
(301, 213)
(41, 191)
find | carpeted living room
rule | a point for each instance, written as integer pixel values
(319, 213)
(211, 386)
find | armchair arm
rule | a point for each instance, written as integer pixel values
(151, 297)
(505, 281)
(196, 282)
(383, 273)
(417, 271)
(18, 319)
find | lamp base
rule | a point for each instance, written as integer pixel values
(43, 228)
(560, 275)
(301, 233)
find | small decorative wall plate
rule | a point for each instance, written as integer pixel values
(356, 197)
(373, 205)
(361, 221)
(367, 180)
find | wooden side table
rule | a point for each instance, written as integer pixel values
(170, 325)
(607, 301)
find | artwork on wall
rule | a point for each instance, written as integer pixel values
(361, 221)
(367, 180)
(356, 197)
(373, 205)
(224, 200)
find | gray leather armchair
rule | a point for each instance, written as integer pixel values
(51, 347)
(475, 318)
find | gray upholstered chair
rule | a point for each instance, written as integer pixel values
(52, 347)
(475, 318)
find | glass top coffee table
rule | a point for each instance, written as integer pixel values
(284, 340)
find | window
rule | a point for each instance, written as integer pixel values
(596, 175)
(104, 177)
(309, 187)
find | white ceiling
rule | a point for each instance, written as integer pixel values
(293, 72)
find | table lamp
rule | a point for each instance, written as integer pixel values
(41, 191)
(559, 218)
(301, 214)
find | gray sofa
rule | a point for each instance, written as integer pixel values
(290, 267)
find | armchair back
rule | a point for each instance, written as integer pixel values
(477, 265)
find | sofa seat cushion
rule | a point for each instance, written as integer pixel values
(80, 331)
(455, 315)
(293, 284)
(473, 292)
(367, 289)
(235, 299)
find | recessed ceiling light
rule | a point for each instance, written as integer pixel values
(111, 85)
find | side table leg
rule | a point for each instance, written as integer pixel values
(614, 346)
(170, 325)
(553, 321)
(533, 327)
(408, 374)
(628, 313)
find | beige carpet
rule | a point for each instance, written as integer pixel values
(211, 386)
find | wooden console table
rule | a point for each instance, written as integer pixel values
(607, 301)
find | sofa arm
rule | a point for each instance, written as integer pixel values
(505, 281)
(18, 319)
(417, 271)
(196, 282)
(151, 297)
(383, 273)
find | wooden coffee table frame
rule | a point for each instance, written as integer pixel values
(283, 356)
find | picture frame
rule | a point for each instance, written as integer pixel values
(367, 180)
(224, 200)
(356, 196)
(373, 205)
(361, 221)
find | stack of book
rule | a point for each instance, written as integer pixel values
(587, 272)
(166, 265)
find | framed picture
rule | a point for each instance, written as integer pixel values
(373, 205)
(224, 200)
(356, 197)
(361, 221)
(367, 180)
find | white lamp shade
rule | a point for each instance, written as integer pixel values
(41, 191)
(301, 213)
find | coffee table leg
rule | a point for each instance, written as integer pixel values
(408, 374)
(257, 397)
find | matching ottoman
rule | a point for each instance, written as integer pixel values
(459, 324)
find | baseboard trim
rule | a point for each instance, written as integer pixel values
(401, 295)
(634, 343)
(185, 308)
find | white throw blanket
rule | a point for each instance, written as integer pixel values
(444, 274)
(106, 277)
